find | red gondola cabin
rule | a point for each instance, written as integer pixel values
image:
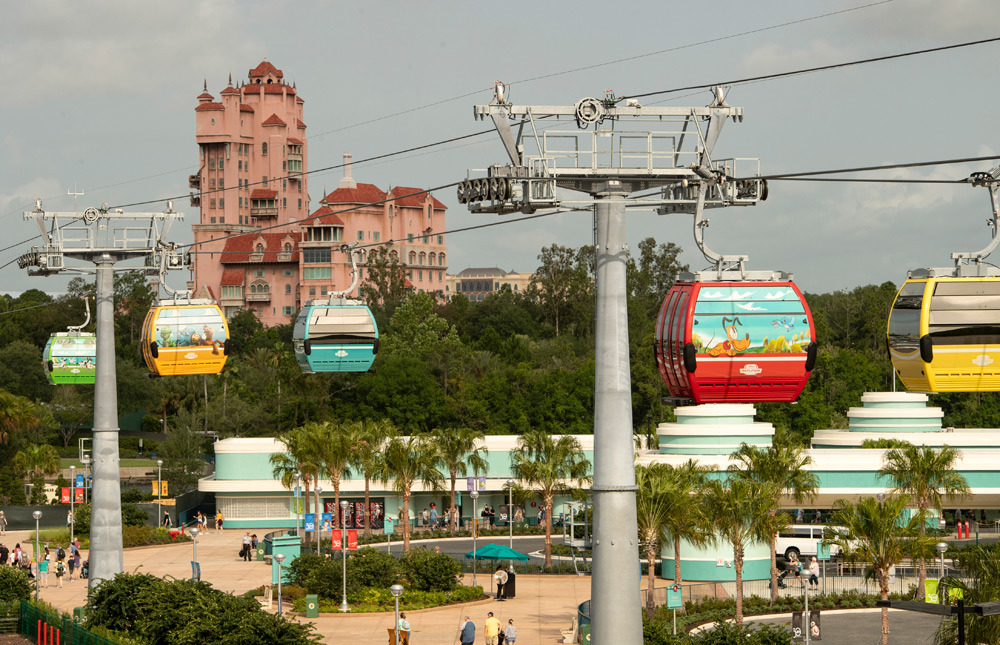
(735, 342)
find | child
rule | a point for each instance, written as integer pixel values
(60, 570)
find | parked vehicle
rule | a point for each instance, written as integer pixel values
(801, 539)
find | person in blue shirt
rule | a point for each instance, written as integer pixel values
(467, 636)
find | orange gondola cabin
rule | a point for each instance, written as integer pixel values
(185, 337)
(735, 342)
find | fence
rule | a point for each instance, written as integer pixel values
(70, 632)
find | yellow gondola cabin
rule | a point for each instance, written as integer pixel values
(185, 339)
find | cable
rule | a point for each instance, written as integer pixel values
(916, 164)
(610, 62)
(816, 69)
(14, 311)
(873, 181)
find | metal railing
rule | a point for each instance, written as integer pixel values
(70, 631)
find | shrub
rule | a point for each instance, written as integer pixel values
(14, 584)
(430, 571)
(372, 568)
(300, 567)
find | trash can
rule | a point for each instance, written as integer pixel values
(508, 589)
(585, 634)
(260, 552)
(79, 613)
(312, 606)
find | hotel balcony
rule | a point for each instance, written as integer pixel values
(256, 257)
(264, 211)
(194, 181)
(259, 297)
(284, 257)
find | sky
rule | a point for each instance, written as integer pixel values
(100, 97)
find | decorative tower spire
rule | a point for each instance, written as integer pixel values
(347, 181)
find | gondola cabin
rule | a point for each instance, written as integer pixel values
(944, 334)
(185, 339)
(335, 336)
(735, 342)
(70, 358)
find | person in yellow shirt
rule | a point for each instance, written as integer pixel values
(492, 629)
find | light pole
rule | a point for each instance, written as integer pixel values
(510, 510)
(298, 479)
(159, 490)
(396, 591)
(194, 548)
(343, 549)
(279, 558)
(941, 548)
(85, 460)
(475, 496)
(72, 501)
(317, 522)
(37, 515)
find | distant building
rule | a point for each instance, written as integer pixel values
(257, 244)
(476, 284)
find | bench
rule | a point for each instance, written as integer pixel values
(572, 634)
(404, 638)
(267, 599)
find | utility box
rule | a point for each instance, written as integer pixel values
(312, 606)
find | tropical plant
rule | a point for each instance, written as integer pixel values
(15, 412)
(461, 451)
(875, 533)
(406, 461)
(785, 466)
(36, 461)
(369, 437)
(654, 497)
(980, 582)
(547, 465)
(739, 512)
(687, 520)
(924, 474)
(335, 445)
(303, 459)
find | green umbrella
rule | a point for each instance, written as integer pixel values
(496, 552)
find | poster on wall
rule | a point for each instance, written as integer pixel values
(518, 513)
(355, 517)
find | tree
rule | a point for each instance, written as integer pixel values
(785, 467)
(924, 474)
(654, 497)
(37, 460)
(416, 331)
(304, 457)
(71, 411)
(739, 510)
(369, 440)
(385, 283)
(336, 445)
(559, 283)
(547, 464)
(406, 461)
(874, 533)
(16, 412)
(182, 451)
(979, 582)
(461, 451)
(687, 519)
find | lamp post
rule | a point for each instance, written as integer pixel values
(72, 501)
(941, 548)
(194, 547)
(85, 460)
(279, 558)
(396, 591)
(298, 479)
(510, 510)
(318, 522)
(475, 496)
(343, 549)
(37, 515)
(159, 490)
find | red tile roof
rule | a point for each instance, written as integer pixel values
(324, 215)
(205, 95)
(233, 276)
(264, 68)
(300, 123)
(274, 119)
(407, 198)
(263, 193)
(299, 100)
(238, 249)
(363, 194)
(209, 106)
(295, 141)
(245, 108)
(230, 90)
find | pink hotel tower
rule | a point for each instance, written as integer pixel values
(252, 146)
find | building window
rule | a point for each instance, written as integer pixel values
(211, 163)
(263, 149)
(287, 272)
(409, 237)
(221, 162)
(263, 180)
(315, 256)
(361, 235)
(211, 182)
(323, 291)
(376, 235)
(300, 202)
(440, 274)
(316, 273)
(420, 275)
(440, 239)
(222, 182)
(259, 248)
(441, 260)
(413, 257)
(288, 289)
(284, 165)
(258, 273)
(211, 203)
(284, 202)
(222, 202)
(312, 291)
(287, 310)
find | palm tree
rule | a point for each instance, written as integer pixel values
(654, 496)
(15, 412)
(407, 460)
(37, 459)
(874, 533)
(460, 452)
(739, 511)
(336, 445)
(544, 464)
(687, 520)
(303, 457)
(924, 474)
(784, 466)
(981, 565)
(369, 438)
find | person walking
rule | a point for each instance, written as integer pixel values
(404, 629)
(510, 632)
(76, 559)
(796, 568)
(3, 524)
(467, 632)
(814, 575)
(247, 551)
(218, 521)
(491, 630)
(60, 572)
(43, 572)
(71, 560)
(434, 516)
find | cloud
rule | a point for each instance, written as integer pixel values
(913, 20)
(776, 57)
(749, 306)
(776, 295)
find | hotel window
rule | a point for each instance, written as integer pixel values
(221, 162)
(239, 164)
(263, 149)
(300, 202)
(420, 275)
(284, 165)
(222, 202)
(211, 203)
(323, 291)
(286, 310)
(312, 291)
(315, 256)
(440, 239)
(258, 273)
(284, 202)
(211, 182)
(441, 260)
(361, 235)
(288, 289)
(222, 182)
(376, 236)
(409, 237)
(211, 163)
(316, 273)
(440, 273)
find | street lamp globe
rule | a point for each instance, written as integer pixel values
(37, 515)
(279, 557)
(194, 532)
(941, 547)
(396, 590)
(159, 463)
